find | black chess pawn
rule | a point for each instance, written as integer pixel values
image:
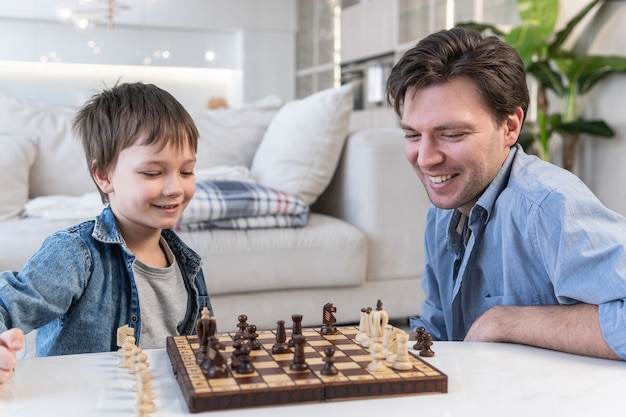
(329, 362)
(242, 326)
(299, 360)
(234, 358)
(253, 343)
(419, 337)
(296, 329)
(426, 344)
(281, 345)
(245, 365)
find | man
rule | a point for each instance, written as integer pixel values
(517, 249)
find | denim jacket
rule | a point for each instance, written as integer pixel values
(79, 288)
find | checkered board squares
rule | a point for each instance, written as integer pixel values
(274, 383)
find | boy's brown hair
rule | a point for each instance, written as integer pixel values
(120, 117)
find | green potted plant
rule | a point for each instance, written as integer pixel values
(568, 75)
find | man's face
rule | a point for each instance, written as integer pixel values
(453, 142)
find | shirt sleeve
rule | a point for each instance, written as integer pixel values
(589, 262)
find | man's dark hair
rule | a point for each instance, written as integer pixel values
(494, 66)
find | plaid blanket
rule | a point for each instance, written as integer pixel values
(229, 204)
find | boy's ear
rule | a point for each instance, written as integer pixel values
(102, 179)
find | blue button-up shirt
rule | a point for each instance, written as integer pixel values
(537, 236)
(79, 288)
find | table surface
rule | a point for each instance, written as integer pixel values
(484, 379)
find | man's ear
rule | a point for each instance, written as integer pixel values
(102, 178)
(513, 126)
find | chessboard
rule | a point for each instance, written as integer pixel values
(273, 382)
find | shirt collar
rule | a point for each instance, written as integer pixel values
(488, 199)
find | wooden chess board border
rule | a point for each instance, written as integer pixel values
(312, 389)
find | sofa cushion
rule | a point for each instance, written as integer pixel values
(230, 137)
(17, 157)
(59, 167)
(327, 253)
(301, 148)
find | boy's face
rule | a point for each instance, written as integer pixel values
(149, 188)
(453, 143)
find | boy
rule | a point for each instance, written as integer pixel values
(126, 266)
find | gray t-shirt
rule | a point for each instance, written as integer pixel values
(162, 300)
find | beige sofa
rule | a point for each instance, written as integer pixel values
(363, 241)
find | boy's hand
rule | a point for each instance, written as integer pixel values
(11, 341)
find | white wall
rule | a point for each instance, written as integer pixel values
(254, 40)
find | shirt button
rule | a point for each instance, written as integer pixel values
(134, 319)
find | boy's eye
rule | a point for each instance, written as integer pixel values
(187, 173)
(150, 174)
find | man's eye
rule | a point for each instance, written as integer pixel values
(412, 136)
(151, 174)
(187, 173)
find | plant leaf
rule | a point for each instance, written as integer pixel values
(539, 13)
(527, 40)
(548, 77)
(562, 35)
(590, 127)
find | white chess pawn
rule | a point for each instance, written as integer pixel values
(377, 364)
(361, 337)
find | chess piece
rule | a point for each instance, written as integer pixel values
(329, 362)
(123, 333)
(127, 352)
(426, 344)
(328, 319)
(242, 326)
(299, 361)
(140, 362)
(378, 320)
(281, 345)
(419, 337)
(253, 343)
(203, 330)
(245, 365)
(234, 359)
(296, 328)
(377, 364)
(402, 361)
(217, 368)
(389, 342)
(361, 336)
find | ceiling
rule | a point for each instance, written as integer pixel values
(179, 14)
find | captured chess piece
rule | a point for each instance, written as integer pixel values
(329, 368)
(419, 338)
(328, 319)
(426, 344)
(281, 345)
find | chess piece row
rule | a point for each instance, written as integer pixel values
(135, 360)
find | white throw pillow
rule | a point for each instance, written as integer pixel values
(230, 137)
(301, 148)
(17, 156)
(60, 166)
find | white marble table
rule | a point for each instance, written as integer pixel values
(484, 379)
